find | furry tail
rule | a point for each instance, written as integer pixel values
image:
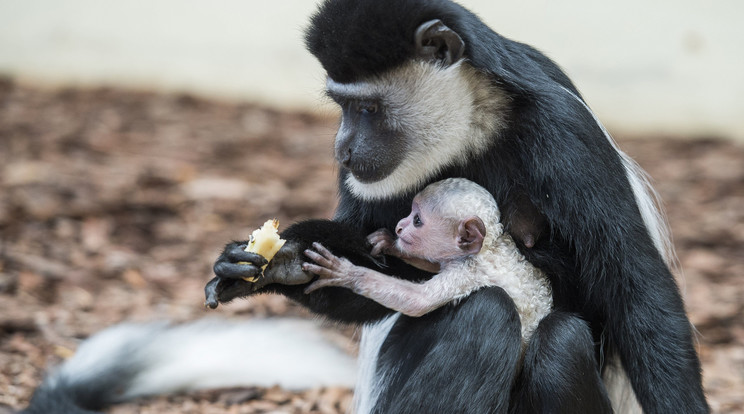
(132, 360)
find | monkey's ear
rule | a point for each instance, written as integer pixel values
(437, 42)
(471, 232)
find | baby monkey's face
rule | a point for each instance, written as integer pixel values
(426, 235)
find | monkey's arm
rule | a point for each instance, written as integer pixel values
(409, 298)
(284, 274)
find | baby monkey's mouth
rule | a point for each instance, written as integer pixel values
(400, 242)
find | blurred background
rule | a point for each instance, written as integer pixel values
(137, 137)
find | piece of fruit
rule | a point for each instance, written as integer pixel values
(266, 242)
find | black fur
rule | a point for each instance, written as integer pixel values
(559, 371)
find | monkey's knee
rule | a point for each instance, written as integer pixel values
(560, 373)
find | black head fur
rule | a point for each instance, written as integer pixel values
(356, 39)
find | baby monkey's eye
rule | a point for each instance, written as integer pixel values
(417, 221)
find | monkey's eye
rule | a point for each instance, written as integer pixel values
(367, 107)
(417, 221)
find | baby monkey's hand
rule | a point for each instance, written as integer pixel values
(331, 269)
(383, 242)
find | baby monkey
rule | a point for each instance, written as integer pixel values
(454, 231)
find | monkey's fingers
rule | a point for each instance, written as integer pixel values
(374, 237)
(220, 290)
(325, 252)
(380, 248)
(240, 270)
(236, 253)
(318, 258)
(321, 271)
(376, 250)
(235, 263)
(381, 233)
(210, 293)
(381, 242)
(229, 289)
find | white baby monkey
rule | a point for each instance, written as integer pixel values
(454, 231)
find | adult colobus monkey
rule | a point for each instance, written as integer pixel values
(428, 91)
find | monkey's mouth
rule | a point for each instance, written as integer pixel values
(369, 173)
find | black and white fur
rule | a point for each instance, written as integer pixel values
(428, 91)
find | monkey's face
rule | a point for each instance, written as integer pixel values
(401, 128)
(423, 234)
(366, 144)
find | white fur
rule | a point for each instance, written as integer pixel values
(369, 384)
(209, 353)
(528, 287)
(453, 112)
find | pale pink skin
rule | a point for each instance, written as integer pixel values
(425, 241)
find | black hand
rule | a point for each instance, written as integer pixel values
(224, 290)
(236, 263)
(210, 293)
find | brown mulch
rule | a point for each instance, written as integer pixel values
(130, 196)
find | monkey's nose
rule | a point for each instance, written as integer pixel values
(398, 230)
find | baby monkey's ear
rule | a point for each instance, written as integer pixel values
(470, 234)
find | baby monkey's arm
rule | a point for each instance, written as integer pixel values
(409, 298)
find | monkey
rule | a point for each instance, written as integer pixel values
(427, 91)
(454, 230)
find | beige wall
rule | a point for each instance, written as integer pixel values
(645, 66)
